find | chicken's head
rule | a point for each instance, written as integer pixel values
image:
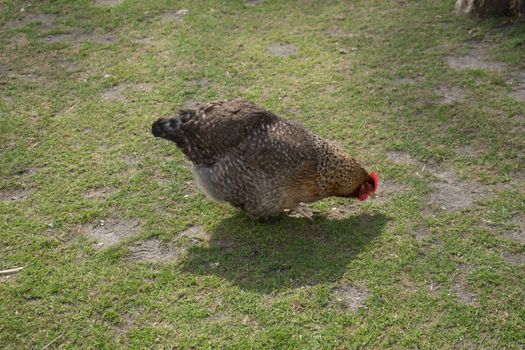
(368, 187)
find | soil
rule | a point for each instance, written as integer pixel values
(336, 31)
(14, 195)
(461, 287)
(405, 81)
(80, 37)
(400, 157)
(152, 250)
(514, 258)
(475, 59)
(253, 3)
(450, 95)
(517, 234)
(131, 159)
(99, 193)
(387, 189)
(107, 2)
(4, 71)
(194, 234)
(114, 92)
(68, 64)
(342, 212)
(117, 92)
(191, 105)
(45, 20)
(421, 233)
(173, 16)
(349, 297)
(451, 194)
(26, 171)
(108, 232)
(518, 90)
(282, 50)
(143, 40)
(201, 83)
(470, 151)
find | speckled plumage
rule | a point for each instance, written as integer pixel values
(249, 157)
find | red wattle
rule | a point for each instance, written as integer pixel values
(374, 177)
(362, 196)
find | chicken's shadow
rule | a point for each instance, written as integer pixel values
(289, 253)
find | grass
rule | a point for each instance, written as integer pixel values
(430, 278)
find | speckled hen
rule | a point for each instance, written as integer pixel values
(249, 157)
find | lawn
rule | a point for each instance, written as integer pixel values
(119, 249)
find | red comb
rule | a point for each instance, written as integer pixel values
(374, 177)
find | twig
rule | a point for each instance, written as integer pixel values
(52, 341)
(11, 271)
(70, 108)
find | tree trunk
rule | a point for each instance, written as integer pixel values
(482, 8)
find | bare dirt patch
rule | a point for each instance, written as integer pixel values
(461, 287)
(116, 92)
(194, 234)
(45, 21)
(68, 64)
(342, 211)
(404, 81)
(100, 38)
(336, 32)
(59, 38)
(107, 2)
(143, 39)
(200, 83)
(174, 16)
(80, 37)
(470, 151)
(282, 50)
(153, 250)
(253, 3)
(387, 189)
(4, 71)
(131, 159)
(26, 171)
(514, 258)
(400, 157)
(108, 232)
(518, 86)
(99, 193)
(450, 193)
(349, 297)
(191, 105)
(128, 321)
(14, 194)
(224, 244)
(518, 94)
(477, 58)
(421, 233)
(450, 95)
(518, 232)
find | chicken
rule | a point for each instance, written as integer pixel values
(249, 157)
